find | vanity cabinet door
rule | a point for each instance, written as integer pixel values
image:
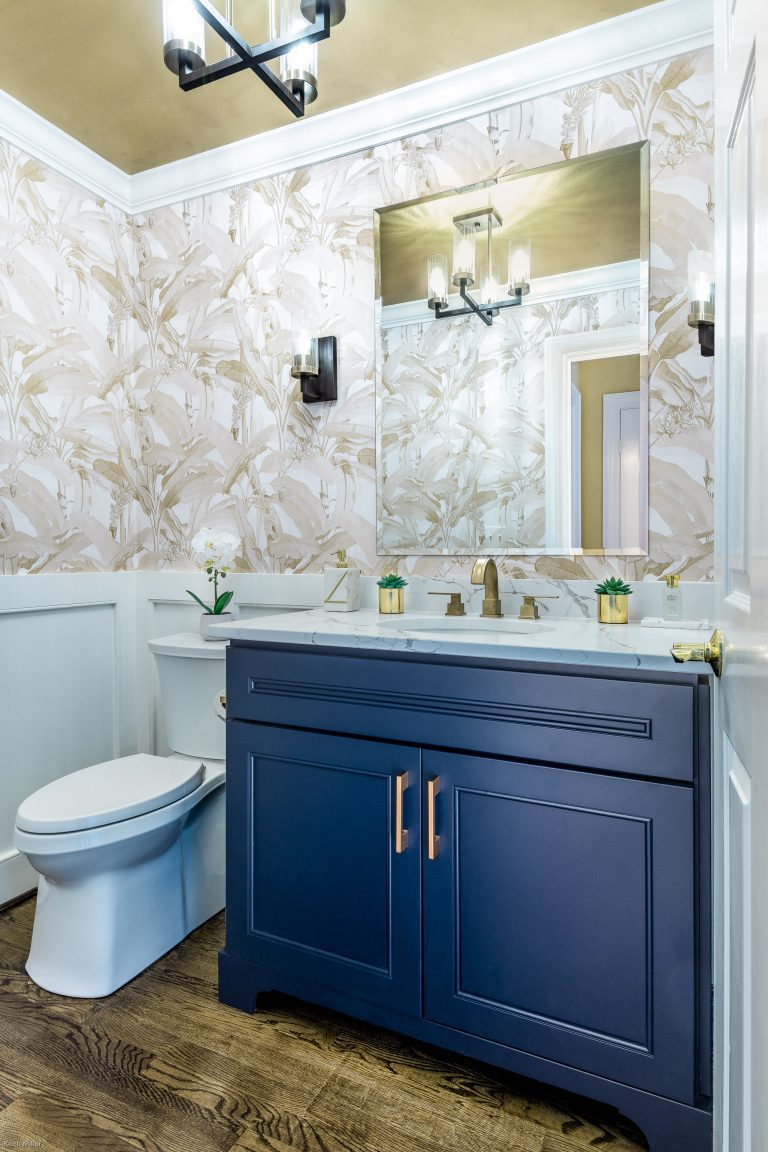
(315, 885)
(559, 917)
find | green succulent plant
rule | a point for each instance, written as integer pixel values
(613, 586)
(391, 580)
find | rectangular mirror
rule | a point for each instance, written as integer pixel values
(512, 404)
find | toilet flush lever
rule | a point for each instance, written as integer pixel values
(220, 705)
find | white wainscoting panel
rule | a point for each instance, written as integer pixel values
(66, 690)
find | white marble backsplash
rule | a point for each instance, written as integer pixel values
(574, 599)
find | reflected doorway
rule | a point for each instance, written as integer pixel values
(605, 454)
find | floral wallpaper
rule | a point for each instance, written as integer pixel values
(144, 384)
(65, 364)
(460, 425)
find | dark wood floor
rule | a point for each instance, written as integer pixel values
(161, 1066)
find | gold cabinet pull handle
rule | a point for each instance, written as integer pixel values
(401, 834)
(433, 841)
(709, 651)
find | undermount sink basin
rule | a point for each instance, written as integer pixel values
(463, 625)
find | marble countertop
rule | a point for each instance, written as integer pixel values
(555, 639)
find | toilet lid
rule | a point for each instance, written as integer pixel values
(106, 793)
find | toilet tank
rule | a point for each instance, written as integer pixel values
(192, 676)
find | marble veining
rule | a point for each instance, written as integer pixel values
(560, 640)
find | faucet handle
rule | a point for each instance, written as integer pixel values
(455, 606)
(530, 609)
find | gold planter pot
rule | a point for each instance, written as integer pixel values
(612, 609)
(391, 600)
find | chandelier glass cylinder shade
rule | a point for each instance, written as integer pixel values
(464, 254)
(437, 281)
(298, 68)
(295, 28)
(701, 297)
(183, 36)
(490, 291)
(470, 228)
(519, 265)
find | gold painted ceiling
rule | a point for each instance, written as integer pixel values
(94, 68)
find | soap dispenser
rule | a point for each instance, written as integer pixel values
(673, 601)
(341, 590)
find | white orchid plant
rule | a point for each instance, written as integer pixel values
(215, 552)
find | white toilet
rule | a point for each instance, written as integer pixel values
(131, 852)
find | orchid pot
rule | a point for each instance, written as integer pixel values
(209, 618)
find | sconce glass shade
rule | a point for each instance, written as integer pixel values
(464, 254)
(304, 360)
(183, 36)
(519, 273)
(437, 281)
(701, 287)
(297, 69)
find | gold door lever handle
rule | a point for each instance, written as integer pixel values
(401, 834)
(709, 651)
(433, 841)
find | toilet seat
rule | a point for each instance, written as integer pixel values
(108, 793)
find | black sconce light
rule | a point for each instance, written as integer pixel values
(701, 295)
(313, 362)
(468, 228)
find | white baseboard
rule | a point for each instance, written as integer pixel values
(17, 876)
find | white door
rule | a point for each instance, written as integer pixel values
(741, 735)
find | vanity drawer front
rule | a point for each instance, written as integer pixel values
(626, 727)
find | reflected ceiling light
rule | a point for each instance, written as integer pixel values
(468, 228)
(295, 27)
(701, 296)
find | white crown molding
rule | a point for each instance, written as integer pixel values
(544, 290)
(44, 141)
(632, 40)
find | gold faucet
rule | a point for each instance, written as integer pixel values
(486, 573)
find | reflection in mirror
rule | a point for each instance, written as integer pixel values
(508, 436)
(605, 440)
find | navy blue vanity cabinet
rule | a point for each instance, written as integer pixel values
(320, 890)
(559, 917)
(510, 860)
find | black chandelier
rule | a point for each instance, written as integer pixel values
(296, 26)
(468, 228)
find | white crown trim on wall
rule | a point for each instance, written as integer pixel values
(632, 40)
(45, 142)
